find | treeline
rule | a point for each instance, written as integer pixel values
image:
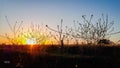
(86, 32)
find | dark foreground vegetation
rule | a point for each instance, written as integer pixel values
(42, 56)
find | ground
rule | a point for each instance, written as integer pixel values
(53, 56)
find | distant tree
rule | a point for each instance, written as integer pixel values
(104, 41)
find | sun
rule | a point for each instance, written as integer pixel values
(31, 41)
(33, 38)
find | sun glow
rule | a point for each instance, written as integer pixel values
(31, 41)
(32, 38)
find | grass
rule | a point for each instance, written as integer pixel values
(53, 56)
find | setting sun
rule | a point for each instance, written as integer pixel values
(31, 41)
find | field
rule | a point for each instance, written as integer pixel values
(53, 56)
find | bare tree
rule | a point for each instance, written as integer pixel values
(104, 29)
(92, 33)
(60, 35)
(84, 30)
(15, 30)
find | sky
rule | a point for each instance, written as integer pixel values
(50, 12)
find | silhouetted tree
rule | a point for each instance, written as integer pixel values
(60, 35)
(84, 30)
(15, 31)
(95, 32)
(104, 41)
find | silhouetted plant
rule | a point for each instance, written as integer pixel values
(15, 30)
(104, 41)
(104, 29)
(38, 32)
(84, 30)
(93, 33)
(68, 37)
(60, 35)
(35, 31)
